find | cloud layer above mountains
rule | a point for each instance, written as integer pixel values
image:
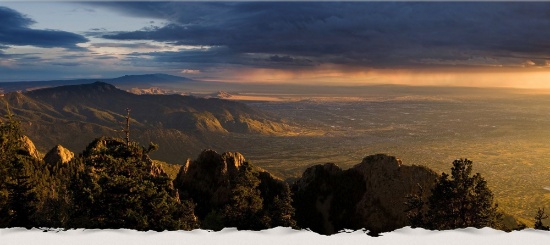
(356, 34)
(337, 37)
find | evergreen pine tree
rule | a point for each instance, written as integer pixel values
(457, 201)
(415, 208)
(243, 209)
(17, 196)
(22, 199)
(281, 211)
(10, 134)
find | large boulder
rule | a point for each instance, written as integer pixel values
(58, 154)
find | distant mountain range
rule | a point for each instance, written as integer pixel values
(169, 84)
(73, 115)
(126, 82)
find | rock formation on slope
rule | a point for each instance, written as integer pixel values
(58, 154)
(229, 191)
(325, 198)
(369, 195)
(208, 178)
(29, 148)
(387, 184)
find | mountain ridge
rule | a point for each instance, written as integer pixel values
(54, 116)
(127, 81)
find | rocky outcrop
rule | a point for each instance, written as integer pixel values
(325, 198)
(232, 161)
(207, 178)
(211, 179)
(29, 148)
(155, 169)
(183, 170)
(388, 182)
(369, 195)
(58, 154)
(211, 163)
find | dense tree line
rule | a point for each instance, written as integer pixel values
(112, 184)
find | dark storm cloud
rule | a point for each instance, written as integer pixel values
(14, 30)
(201, 58)
(374, 34)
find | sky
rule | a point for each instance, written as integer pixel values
(502, 44)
